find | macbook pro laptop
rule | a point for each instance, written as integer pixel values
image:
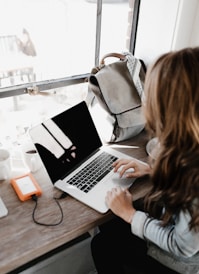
(67, 144)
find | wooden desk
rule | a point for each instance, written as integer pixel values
(22, 240)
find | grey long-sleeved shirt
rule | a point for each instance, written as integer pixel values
(175, 246)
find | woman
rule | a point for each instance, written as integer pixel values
(164, 236)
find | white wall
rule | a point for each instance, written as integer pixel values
(186, 24)
(166, 25)
(194, 38)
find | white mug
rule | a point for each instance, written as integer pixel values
(153, 148)
(5, 164)
(31, 157)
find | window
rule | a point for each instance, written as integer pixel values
(49, 47)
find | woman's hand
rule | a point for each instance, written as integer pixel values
(120, 202)
(136, 168)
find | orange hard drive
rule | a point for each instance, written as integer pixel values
(26, 186)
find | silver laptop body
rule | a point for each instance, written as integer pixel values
(67, 143)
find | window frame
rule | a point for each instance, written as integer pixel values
(40, 87)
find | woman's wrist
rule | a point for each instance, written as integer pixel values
(130, 216)
(147, 169)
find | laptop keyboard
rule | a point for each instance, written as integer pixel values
(91, 174)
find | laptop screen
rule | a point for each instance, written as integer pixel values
(65, 140)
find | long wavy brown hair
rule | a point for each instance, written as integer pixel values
(172, 115)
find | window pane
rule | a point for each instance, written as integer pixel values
(114, 26)
(50, 39)
(45, 39)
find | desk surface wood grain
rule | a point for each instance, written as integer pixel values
(22, 240)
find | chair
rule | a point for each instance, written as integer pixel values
(15, 67)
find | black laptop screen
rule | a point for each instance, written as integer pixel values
(65, 140)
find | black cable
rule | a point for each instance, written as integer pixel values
(35, 199)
